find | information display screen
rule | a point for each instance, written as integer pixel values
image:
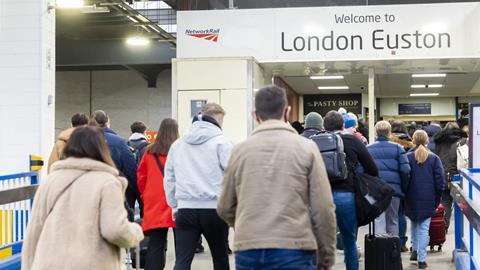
(415, 108)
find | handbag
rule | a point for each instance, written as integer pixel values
(372, 197)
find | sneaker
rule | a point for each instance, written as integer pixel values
(422, 265)
(413, 256)
(404, 249)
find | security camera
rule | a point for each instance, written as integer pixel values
(362, 87)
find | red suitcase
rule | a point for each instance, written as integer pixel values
(437, 229)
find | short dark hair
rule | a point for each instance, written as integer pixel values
(138, 127)
(79, 119)
(101, 117)
(399, 126)
(270, 102)
(88, 142)
(333, 120)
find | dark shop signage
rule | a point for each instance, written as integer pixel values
(415, 108)
(325, 103)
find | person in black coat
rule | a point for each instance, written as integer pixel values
(343, 191)
(423, 194)
(446, 144)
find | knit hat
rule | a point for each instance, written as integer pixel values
(349, 121)
(314, 120)
(342, 111)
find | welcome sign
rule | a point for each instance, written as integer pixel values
(335, 33)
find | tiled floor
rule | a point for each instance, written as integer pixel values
(436, 261)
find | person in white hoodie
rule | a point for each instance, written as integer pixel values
(193, 179)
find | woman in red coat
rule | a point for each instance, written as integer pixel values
(157, 216)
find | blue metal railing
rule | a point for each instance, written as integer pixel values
(16, 193)
(465, 191)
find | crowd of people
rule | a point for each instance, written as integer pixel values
(273, 189)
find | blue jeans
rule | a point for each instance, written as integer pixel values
(281, 259)
(402, 229)
(420, 238)
(347, 223)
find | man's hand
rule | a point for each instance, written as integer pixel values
(174, 213)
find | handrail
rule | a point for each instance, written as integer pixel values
(18, 175)
(17, 194)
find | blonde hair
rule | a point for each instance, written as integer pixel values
(420, 139)
(383, 128)
(212, 109)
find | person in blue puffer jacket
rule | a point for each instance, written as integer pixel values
(392, 162)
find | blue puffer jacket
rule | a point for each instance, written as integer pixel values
(425, 189)
(392, 162)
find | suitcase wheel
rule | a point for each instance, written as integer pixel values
(439, 247)
(432, 248)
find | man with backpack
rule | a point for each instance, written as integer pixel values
(343, 186)
(138, 141)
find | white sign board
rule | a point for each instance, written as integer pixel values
(474, 139)
(333, 33)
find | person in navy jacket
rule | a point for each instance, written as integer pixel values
(422, 198)
(122, 157)
(392, 162)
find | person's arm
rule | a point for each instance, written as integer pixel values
(364, 158)
(227, 203)
(322, 210)
(439, 176)
(34, 227)
(404, 167)
(169, 180)
(142, 173)
(224, 151)
(114, 225)
(129, 166)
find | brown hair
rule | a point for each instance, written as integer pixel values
(101, 117)
(270, 103)
(88, 142)
(167, 134)
(420, 139)
(212, 109)
(451, 125)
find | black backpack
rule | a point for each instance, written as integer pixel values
(139, 151)
(333, 154)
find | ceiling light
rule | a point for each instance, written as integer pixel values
(69, 3)
(435, 85)
(138, 41)
(424, 94)
(433, 75)
(418, 86)
(333, 77)
(332, 87)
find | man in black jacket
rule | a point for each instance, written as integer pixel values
(446, 143)
(343, 192)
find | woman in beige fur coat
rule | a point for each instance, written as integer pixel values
(78, 218)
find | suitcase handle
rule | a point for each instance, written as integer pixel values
(371, 228)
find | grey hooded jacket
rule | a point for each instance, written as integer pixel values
(195, 167)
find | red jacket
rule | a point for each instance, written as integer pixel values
(157, 213)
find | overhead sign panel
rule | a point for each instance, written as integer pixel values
(415, 108)
(333, 33)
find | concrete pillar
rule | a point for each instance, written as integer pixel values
(27, 82)
(371, 104)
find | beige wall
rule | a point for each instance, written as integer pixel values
(228, 81)
(123, 94)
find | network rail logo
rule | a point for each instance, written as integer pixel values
(207, 34)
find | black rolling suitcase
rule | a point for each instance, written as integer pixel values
(382, 251)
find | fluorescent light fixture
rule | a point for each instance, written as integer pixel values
(69, 3)
(332, 87)
(332, 77)
(433, 75)
(138, 41)
(426, 85)
(424, 94)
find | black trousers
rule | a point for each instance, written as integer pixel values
(157, 249)
(190, 224)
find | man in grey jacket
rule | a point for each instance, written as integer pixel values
(193, 179)
(277, 195)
